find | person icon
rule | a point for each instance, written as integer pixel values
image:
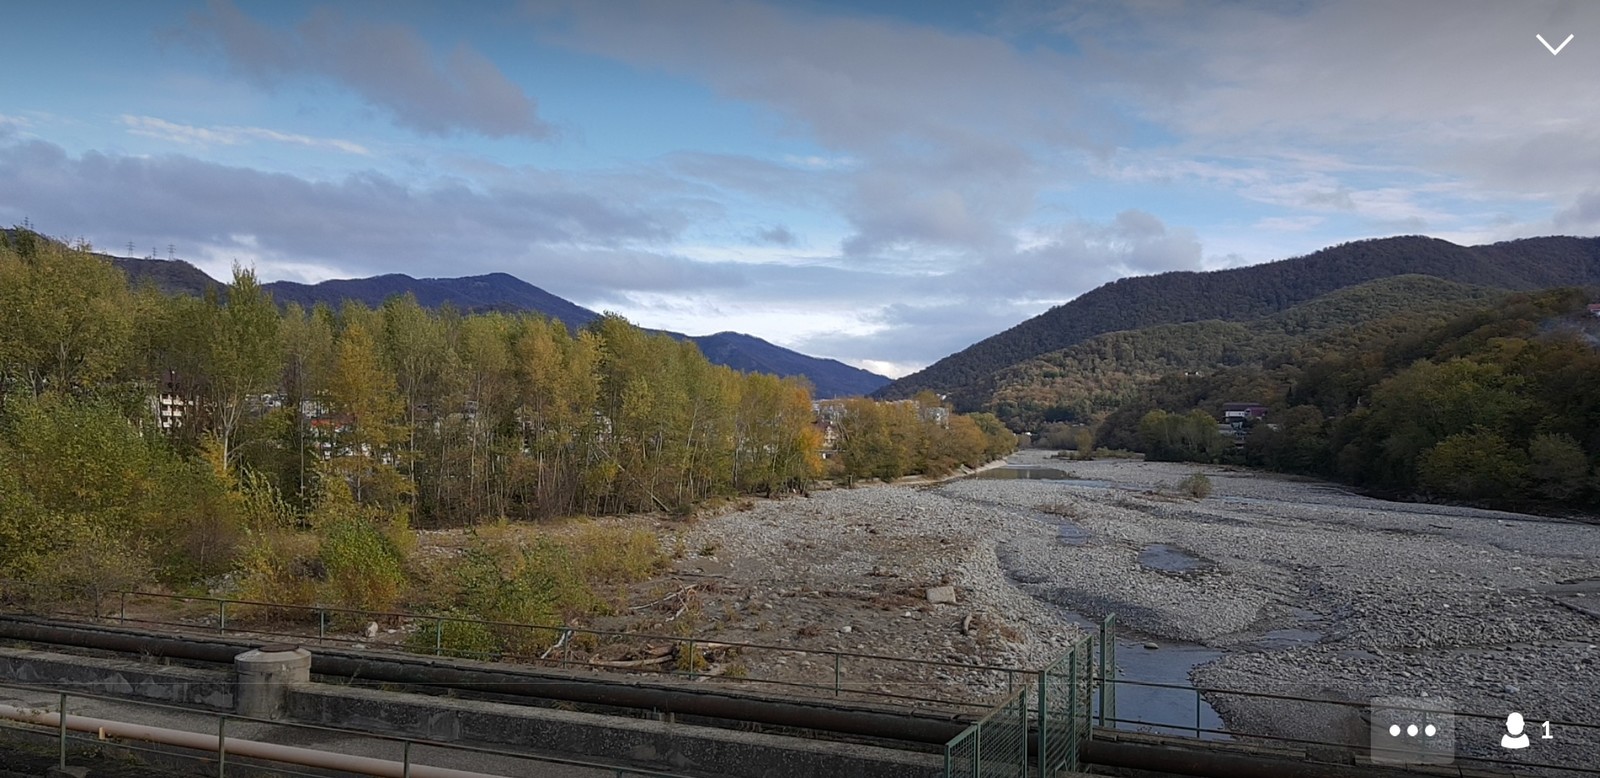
(1514, 738)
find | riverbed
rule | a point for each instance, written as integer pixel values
(1272, 585)
(1300, 588)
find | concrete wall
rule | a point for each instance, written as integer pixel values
(648, 744)
(119, 677)
(615, 740)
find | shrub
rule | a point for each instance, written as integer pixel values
(1196, 485)
(281, 567)
(365, 570)
(454, 637)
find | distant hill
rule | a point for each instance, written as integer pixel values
(169, 276)
(475, 294)
(1240, 294)
(504, 292)
(1083, 381)
(831, 378)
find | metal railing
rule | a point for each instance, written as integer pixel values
(218, 725)
(829, 672)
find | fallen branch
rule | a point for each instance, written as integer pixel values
(678, 593)
(566, 635)
(624, 663)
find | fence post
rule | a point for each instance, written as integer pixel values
(222, 746)
(1044, 722)
(222, 616)
(836, 674)
(61, 727)
(1072, 704)
(1196, 714)
(122, 610)
(692, 658)
(1102, 650)
(438, 637)
(566, 650)
(322, 624)
(405, 764)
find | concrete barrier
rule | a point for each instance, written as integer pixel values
(647, 744)
(119, 677)
(661, 745)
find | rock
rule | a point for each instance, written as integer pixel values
(1151, 646)
(942, 595)
(371, 631)
(845, 628)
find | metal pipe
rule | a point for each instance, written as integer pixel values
(272, 752)
(908, 726)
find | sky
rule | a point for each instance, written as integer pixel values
(882, 183)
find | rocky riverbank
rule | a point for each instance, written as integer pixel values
(1304, 588)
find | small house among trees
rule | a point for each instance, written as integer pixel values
(1240, 413)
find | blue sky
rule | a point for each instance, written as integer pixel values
(881, 183)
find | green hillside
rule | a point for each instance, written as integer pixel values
(1496, 405)
(1091, 378)
(1243, 294)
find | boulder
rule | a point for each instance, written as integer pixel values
(942, 595)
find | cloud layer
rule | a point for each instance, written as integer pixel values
(389, 66)
(908, 183)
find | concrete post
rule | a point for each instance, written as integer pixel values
(264, 675)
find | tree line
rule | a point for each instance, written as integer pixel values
(1498, 405)
(338, 430)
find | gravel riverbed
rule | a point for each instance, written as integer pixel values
(1492, 610)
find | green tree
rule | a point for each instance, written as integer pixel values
(65, 318)
(246, 355)
(1473, 465)
(1558, 466)
(368, 408)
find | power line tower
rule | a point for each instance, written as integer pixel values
(172, 251)
(130, 248)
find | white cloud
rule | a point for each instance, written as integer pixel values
(151, 127)
(1289, 223)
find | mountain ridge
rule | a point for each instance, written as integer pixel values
(1237, 294)
(504, 292)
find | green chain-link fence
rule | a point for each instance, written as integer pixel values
(1040, 729)
(997, 745)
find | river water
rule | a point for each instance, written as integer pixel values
(1154, 691)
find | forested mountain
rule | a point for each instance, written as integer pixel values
(1240, 294)
(1497, 405)
(1080, 383)
(471, 294)
(831, 378)
(508, 294)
